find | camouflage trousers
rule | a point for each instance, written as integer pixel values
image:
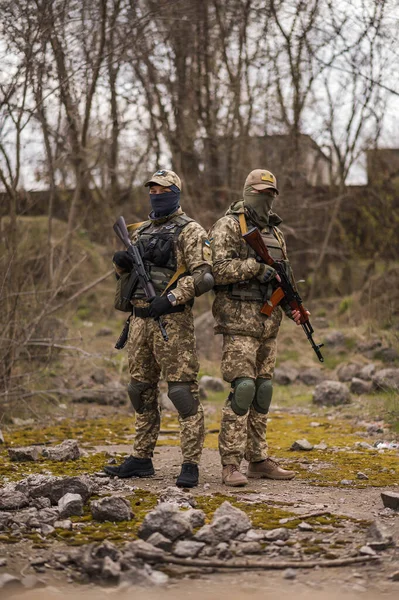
(151, 358)
(245, 356)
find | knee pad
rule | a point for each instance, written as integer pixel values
(135, 390)
(182, 398)
(263, 396)
(242, 395)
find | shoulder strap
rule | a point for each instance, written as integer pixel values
(280, 238)
(182, 220)
(174, 278)
(243, 223)
(135, 226)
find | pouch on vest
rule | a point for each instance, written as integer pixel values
(125, 286)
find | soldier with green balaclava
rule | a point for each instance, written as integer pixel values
(243, 284)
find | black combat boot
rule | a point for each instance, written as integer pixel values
(132, 467)
(188, 477)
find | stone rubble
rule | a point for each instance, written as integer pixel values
(67, 450)
(111, 508)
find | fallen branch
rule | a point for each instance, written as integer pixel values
(321, 513)
(252, 564)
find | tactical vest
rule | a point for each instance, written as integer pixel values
(252, 290)
(157, 244)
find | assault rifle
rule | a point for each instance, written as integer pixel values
(139, 270)
(285, 290)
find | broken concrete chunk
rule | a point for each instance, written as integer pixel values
(68, 450)
(24, 454)
(70, 505)
(111, 508)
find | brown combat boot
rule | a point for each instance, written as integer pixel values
(268, 469)
(233, 477)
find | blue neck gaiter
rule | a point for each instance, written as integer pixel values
(165, 204)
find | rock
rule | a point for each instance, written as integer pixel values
(166, 403)
(242, 521)
(305, 526)
(386, 379)
(174, 495)
(390, 500)
(242, 548)
(145, 577)
(362, 476)
(68, 450)
(301, 445)
(331, 393)
(65, 524)
(209, 346)
(114, 394)
(214, 384)
(347, 371)
(367, 551)
(289, 574)
(41, 502)
(168, 520)
(364, 445)
(367, 372)
(70, 505)
(3, 562)
(378, 537)
(394, 576)
(104, 331)
(160, 541)
(334, 338)
(24, 454)
(277, 534)
(367, 347)
(252, 535)
(100, 376)
(359, 386)
(285, 375)
(12, 499)
(2, 441)
(188, 548)
(311, 376)
(111, 570)
(31, 582)
(111, 508)
(346, 482)
(141, 549)
(55, 487)
(196, 517)
(387, 355)
(9, 582)
(320, 322)
(321, 446)
(47, 529)
(227, 523)
(48, 515)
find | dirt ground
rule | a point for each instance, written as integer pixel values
(371, 580)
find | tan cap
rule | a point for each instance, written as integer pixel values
(260, 179)
(165, 178)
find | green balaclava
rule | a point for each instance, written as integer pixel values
(258, 203)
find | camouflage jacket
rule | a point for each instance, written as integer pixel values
(191, 252)
(232, 264)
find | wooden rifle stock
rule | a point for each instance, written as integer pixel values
(285, 290)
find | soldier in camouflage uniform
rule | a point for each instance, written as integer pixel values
(249, 337)
(170, 242)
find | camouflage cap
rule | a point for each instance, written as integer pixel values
(260, 179)
(165, 178)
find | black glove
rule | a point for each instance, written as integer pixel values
(159, 306)
(123, 260)
(266, 274)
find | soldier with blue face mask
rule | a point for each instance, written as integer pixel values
(175, 249)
